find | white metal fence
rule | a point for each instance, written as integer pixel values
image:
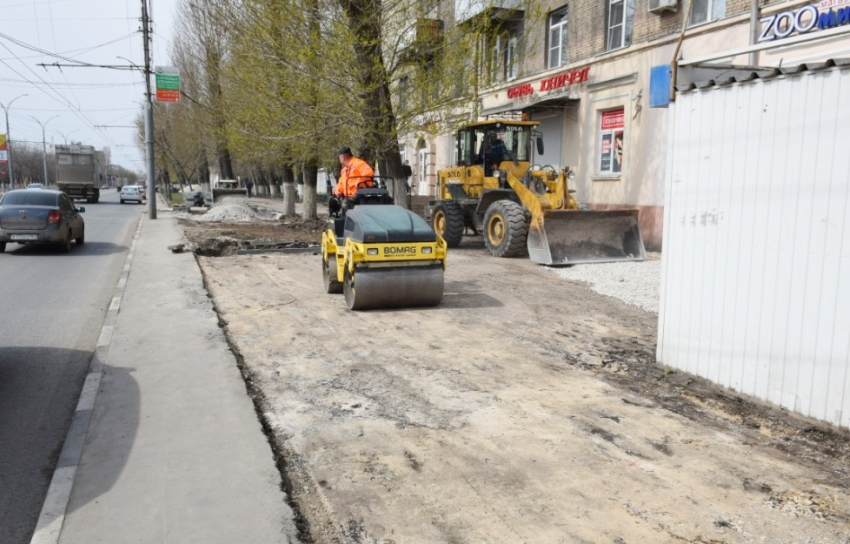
(756, 266)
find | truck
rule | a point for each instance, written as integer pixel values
(78, 171)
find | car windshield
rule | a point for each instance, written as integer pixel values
(28, 198)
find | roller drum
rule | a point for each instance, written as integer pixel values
(394, 287)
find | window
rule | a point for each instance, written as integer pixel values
(611, 141)
(403, 92)
(511, 58)
(502, 56)
(557, 50)
(621, 14)
(705, 11)
(496, 55)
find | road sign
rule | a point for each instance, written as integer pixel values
(3, 149)
(167, 83)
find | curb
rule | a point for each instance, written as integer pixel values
(52, 517)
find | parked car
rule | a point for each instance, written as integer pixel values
(35, 186)
(198, 199)
(40, 217)
(131, 193)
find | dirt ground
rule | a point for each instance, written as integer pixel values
(524, 408)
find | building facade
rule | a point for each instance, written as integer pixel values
(595, 74)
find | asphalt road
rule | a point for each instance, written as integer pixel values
(52, 308)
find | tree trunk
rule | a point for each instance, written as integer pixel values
(381, 138)
(205, 174)
(311, 176)
(288, 190)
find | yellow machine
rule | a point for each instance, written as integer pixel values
(493, 189)
(382, 256)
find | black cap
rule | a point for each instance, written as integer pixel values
(345, 151)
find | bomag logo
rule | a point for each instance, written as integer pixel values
(400, 251)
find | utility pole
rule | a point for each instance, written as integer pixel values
(149, 158)
(44, 145)
(9, 139)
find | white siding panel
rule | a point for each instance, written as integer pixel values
(756, 267)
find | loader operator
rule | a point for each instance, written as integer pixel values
(354, 171)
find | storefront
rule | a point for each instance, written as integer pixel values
(592, 119)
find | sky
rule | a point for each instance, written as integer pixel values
(95, 106)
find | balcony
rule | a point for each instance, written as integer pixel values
(466, 10)
(427, 40)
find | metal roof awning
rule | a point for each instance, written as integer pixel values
(703, 76)
(545, 103)
(549, 103)
(499, 109)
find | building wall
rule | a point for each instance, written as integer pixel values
(757, 241)
(621, 78)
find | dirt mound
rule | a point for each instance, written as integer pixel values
(230, 212)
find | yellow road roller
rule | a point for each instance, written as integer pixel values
(381, 255)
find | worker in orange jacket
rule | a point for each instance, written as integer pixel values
(354, 171)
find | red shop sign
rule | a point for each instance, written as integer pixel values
(579, 75)
(613, 119)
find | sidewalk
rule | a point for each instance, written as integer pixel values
(174, 452)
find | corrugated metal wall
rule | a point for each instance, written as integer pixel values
(756, 264)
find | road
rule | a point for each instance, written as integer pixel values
(53, 308)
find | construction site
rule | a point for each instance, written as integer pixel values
(527, 405)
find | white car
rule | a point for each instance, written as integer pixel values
(35, 186)
(131, 193)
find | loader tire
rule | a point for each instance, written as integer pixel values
(447, 221)
(506, 229)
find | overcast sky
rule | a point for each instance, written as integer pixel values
(92, 104)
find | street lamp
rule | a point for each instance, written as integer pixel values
(66, 137)
(44, 144)
(9, 136)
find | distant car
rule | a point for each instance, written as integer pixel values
(35, 186)
(40, 217)
(131, 193)
(197, 199)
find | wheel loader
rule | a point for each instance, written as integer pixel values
(494, 190)
(381, 255)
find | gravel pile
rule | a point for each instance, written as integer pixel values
(635, 283)
(230, 212)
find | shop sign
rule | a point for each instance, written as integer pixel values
(826, 14)
(579, 75)
(427, 119)
(613, 119)
(3, 149)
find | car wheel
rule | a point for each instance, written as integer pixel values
(2, 247)
(82, 238)
(122, 201)
(66, 245)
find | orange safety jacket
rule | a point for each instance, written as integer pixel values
(356, 172)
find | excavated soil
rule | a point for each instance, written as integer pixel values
(524, 408)
(217, 239)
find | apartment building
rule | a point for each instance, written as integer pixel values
(595, 74)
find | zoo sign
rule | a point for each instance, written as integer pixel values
(826, 14)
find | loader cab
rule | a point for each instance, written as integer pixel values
(479, 143)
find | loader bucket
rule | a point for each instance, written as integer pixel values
(581, 236)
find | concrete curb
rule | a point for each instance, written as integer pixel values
(52, 517)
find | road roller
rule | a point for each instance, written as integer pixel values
(381, 255)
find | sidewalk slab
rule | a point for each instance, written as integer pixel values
(174, 451)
